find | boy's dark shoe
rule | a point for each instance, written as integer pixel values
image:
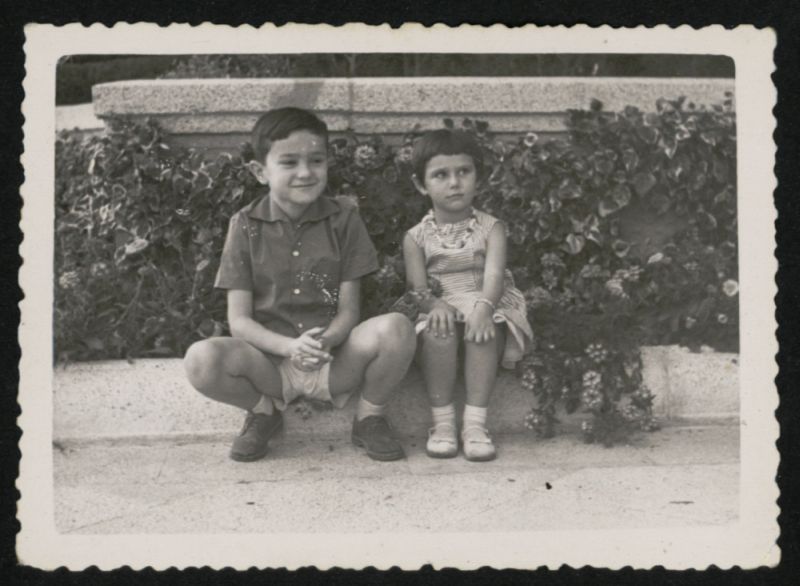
(374, 434)
(253, 440)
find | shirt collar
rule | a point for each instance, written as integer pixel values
(323, 207)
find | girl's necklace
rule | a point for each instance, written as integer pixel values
(442, 233)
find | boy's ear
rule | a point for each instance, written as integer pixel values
(258, 171)
(420, 187)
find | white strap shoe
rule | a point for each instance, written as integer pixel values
(442, 441)
(478, 446)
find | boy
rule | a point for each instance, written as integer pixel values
(291, 265)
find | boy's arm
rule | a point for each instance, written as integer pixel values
(347, 315)
(242, 324)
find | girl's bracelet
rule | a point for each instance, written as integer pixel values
(487, 302)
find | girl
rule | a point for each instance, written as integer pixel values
(465, 250)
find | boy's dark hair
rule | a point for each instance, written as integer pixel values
(279, 123)
(444, 142)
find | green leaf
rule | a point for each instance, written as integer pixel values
(643, 183)
(574, 243)
(621, 195)
(607, 207)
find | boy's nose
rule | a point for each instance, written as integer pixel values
(303, 169)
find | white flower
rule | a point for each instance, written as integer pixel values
(530, 139)
(136, 245)
(69, 280)
(730, 287)
(657, 257)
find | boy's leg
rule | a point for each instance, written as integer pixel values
(232, 371)
(376, 355)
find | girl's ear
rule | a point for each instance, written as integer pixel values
(420, 187)
(258, 171)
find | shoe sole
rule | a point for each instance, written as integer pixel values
(236, 457)
(480, 458)
(440, 455)
(381, 457)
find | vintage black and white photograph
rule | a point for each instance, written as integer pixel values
(306, 297)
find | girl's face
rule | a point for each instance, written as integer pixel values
(296, 170)
(451, 182)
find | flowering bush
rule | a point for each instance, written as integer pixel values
(622, 234)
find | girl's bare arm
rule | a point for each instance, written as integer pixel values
(495, 268)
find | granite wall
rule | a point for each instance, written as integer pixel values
(218, 113)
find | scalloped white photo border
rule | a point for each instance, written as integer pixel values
(749, 543)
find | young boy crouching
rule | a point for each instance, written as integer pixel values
(291, 265)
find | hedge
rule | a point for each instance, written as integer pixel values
(140, 227)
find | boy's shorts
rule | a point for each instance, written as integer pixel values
(313, 385)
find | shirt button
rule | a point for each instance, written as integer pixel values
(295, 253)
(299, 326)
(296, 291)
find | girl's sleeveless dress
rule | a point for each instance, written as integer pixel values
(455, 255)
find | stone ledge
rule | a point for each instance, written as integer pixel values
(391, 106)
(150, 399)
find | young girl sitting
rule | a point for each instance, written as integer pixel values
(465, 250)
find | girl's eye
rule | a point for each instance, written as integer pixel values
(439, 175)
(287, 163)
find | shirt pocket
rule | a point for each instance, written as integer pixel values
(320, 277)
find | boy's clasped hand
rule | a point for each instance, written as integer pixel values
(308, 351)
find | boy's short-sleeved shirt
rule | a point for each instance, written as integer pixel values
(294, 268)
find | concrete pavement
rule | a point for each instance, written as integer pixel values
(316, 484)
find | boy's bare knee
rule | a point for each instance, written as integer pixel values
(202, 363)
(396, 330)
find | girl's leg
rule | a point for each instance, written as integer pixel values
(480, 373)
(230, 370)
(438, 359)
(480, 367)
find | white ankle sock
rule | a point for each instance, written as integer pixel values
(264, 406)
(444, 414)
(365, 409)
(474, 416)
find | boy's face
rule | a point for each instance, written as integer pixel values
(296, 170)
(450, 181)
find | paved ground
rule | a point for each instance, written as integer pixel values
(679, 476)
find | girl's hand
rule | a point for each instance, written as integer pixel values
(479, 327)
(307, 352)
(442, 319)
